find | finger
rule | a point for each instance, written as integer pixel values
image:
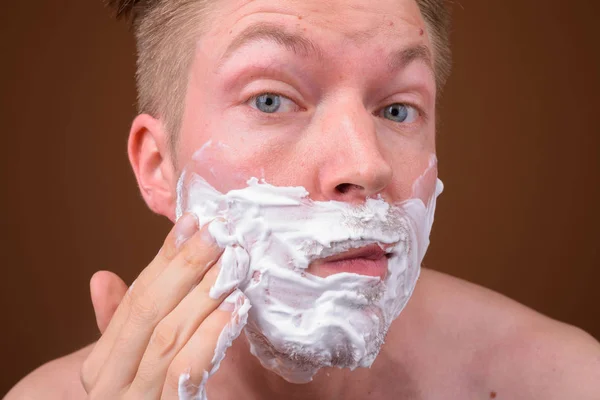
(107, 290)
(201, 355)
(159, 298)
(185, 228)
(172, 333)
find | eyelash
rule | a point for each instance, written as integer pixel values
(422, 114)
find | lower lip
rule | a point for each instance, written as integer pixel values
(361, 266)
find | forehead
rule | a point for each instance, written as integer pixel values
(333, 22)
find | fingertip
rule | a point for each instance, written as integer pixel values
(185, 228)
(106, 291)
(235, 301)
(226, 306)
(98, 283)
(107, 282)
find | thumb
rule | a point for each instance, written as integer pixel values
(107, 290)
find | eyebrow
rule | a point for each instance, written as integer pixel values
(400, 59)
(301, 45)
(275, 33)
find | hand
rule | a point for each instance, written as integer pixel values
(166, 325)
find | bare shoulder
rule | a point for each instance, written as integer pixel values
(515, 349)
(57, 379)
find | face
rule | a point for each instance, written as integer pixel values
(337, 99)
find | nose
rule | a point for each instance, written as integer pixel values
(353, 166)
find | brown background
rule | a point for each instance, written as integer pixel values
(519, 147)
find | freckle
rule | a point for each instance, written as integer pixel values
(391, 23)
(299, 16)
(230, 32)
(493, 395)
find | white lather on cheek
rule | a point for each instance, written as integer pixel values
(421, 187)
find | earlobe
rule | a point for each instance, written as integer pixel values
(150, 159)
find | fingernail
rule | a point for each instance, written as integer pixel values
(207, 237)
(233, 302)
(226, 306)
(185, 228)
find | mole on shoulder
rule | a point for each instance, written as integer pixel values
(493, 395)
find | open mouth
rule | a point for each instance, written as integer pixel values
(371, 260)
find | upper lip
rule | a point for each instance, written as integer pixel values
(370, 252)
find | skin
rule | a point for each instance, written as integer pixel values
(454, 340)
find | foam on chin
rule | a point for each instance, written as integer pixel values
(298, 322)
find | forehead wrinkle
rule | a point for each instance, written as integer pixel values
(360, 36)
(276, 33)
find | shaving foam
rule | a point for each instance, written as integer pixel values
(296, 322)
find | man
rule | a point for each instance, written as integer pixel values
(337, 97)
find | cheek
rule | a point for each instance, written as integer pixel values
(424, 186)
(228, 154)
(414, 178)
(228, 165)
(220, 165)
(212, 150)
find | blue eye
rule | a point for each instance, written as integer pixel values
(402, 113)
(271, 103)
(268, 102)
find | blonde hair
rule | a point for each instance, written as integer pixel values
(163, 68)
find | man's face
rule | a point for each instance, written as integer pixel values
(337, 97)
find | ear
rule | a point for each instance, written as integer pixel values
(149, 155)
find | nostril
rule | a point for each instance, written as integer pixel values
(344, 188)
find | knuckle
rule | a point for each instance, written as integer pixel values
(164, 338)
(146, 375)
(143, 310)
(192, 258)
(169, 250)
